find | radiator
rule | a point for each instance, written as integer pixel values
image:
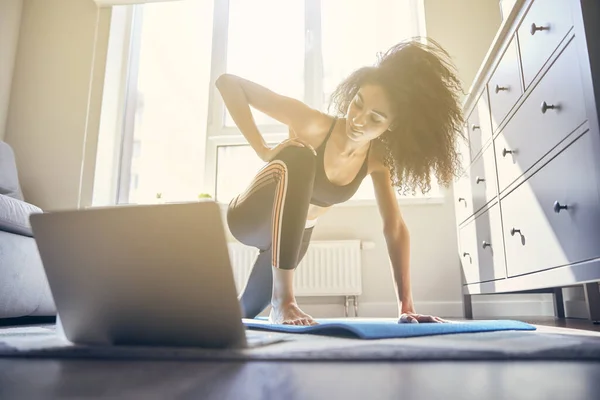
(329, 268)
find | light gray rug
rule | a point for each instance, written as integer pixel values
(550, 344)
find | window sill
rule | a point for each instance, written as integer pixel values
(438, 200)
(401, 202)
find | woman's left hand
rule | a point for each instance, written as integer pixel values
(410, 317)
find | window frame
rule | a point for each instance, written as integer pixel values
(217, 134)
(130, 101)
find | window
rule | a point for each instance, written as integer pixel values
(231, 179)
(164, 101)
(354, 32)
(300, 48)
(178, 140)
(265, 43)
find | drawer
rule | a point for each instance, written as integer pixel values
(532, 133)
(540, 234)
(483, 179)
(479, 125)
(469, 256)
(463, 198)
(482, 248)
(492, 265)
(462, 185)
(473, 132)
(543, 28)
(504, 87)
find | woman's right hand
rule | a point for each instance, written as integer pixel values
(269, 154)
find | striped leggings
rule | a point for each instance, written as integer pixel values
(271, 216)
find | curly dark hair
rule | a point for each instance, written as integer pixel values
(423, 87)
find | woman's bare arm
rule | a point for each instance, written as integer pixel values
(239, 94)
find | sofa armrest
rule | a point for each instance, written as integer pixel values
(9, 178)
(14, 215)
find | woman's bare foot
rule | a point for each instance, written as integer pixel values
(284, 309)
(290, 314)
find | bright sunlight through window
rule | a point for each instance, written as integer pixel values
(298, 48)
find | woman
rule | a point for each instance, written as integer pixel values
(397, 121)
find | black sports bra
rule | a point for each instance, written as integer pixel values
(325, 193)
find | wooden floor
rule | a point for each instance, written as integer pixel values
(49, 379)
(572, 323)
(54, 379)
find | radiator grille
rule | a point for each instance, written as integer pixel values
(329, 268)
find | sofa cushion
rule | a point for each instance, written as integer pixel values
(14, 215)
(9, 179)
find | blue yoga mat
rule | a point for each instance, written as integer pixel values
(377, 329)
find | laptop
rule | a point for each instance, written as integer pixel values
(150, 275)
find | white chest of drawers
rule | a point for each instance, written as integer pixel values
(528, 204)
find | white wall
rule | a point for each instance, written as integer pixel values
(435, 272)
(10, 21)
(465, 28)
(59, 72)
(51, 90)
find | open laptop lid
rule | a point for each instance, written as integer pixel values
(145, 275)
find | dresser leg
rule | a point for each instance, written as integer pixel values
(592, 299)
(467, 306)
(559, 304)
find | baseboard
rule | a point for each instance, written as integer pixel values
(452, 309)
(447, 309)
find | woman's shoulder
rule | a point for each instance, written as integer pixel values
(376, 157)
(316, 127)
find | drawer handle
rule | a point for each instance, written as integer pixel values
(475, 127)
(558, 207)
(485, 244)
(513, 231)
(500, 88)
(535, 28)
(546, 107)
(462, 199)
(479, 180)
(505, 152)
(465, 254)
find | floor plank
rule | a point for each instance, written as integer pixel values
(49, 379)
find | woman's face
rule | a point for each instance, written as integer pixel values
(369, 114)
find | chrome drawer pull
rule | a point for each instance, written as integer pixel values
(546, 107)
(558, 207)
(512, 233)
(500, 88)
(485, 244)
(505, 152)
(535, 28)
(475, 127)
(467, 255)
(462, 199)
(479, 180)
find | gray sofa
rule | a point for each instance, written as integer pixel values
(24, 290)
